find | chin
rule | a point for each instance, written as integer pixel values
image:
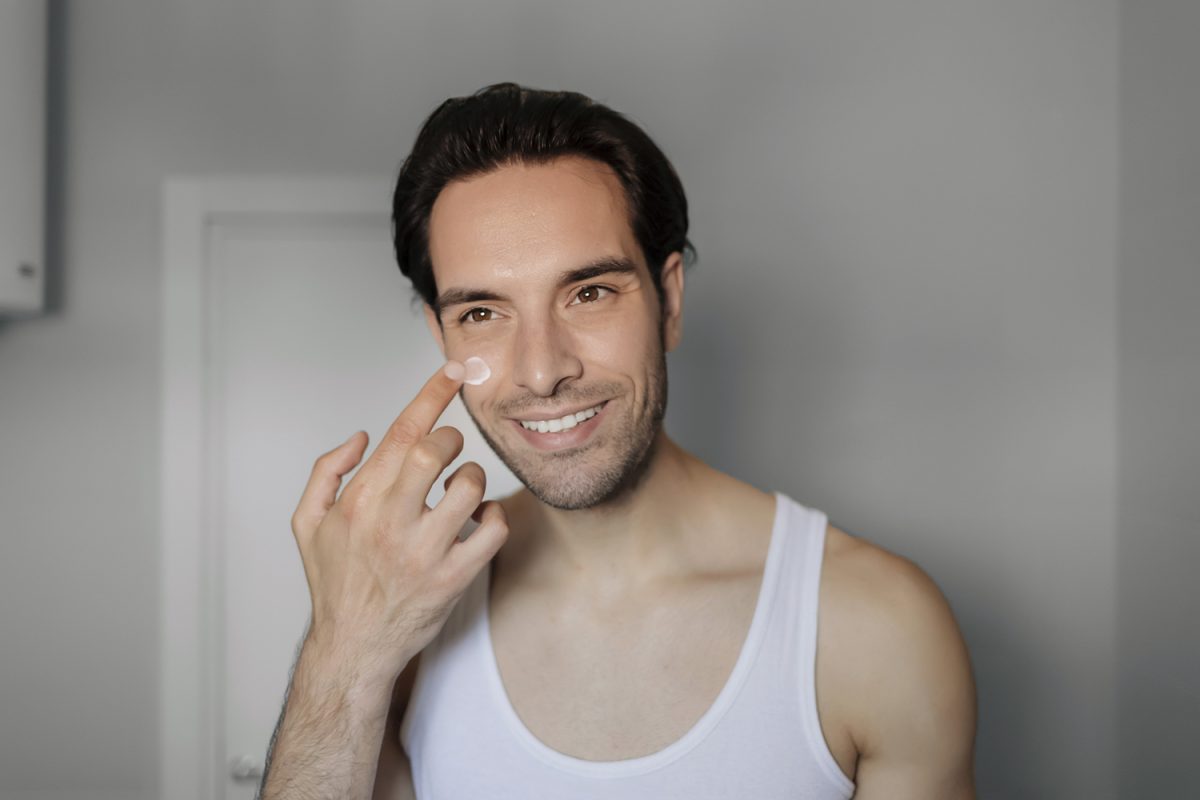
(587, 484)
(574, 492)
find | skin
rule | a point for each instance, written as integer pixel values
(603, 526)
(550, 349)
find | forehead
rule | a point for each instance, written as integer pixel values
(529, 217)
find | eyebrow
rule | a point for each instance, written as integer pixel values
(601, 266)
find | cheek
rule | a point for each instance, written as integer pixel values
(618, 343)
(494, 353)
(617, 349)
(491, 349)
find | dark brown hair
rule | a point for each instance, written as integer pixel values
(506, 123)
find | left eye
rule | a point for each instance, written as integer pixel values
(593, 290)
(469, 317)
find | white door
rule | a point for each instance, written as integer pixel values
(309, 334)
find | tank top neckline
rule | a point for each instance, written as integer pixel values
(699, 730)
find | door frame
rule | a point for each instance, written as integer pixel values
(190, 619)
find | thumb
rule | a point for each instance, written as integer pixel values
(321, 492)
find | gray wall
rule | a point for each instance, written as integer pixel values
(1159, 390)
(911, 207)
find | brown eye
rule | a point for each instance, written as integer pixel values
(593, 293)
(470, 316)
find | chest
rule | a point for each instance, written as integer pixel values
(626, 683)
(626, 680)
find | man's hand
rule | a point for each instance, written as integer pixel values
(384, 570)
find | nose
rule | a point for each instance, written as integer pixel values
(544, 355)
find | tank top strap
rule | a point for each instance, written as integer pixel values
(796, 625)
(803, 533)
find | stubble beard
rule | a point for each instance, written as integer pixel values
(589, 476)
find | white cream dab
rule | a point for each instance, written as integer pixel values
(477, 371)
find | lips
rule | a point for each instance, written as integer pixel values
(563, 422)
(565, 439)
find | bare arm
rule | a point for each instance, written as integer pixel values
(328, 739)
(393, 779)
(384, 570)
(914, 725)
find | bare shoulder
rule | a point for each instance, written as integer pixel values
(895, 667)
(882, 590)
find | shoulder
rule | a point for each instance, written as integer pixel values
(870, 586)
(901, 675)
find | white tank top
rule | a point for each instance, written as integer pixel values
(761, 737)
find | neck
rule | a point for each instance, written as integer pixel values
(636, 538)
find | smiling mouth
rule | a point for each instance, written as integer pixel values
(563, 423)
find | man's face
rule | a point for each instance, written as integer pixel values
(504, 247)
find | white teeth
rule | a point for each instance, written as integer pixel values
(563, 423)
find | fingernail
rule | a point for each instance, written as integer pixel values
(454, 370)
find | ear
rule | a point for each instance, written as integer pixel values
(435, 327)
(672, 287)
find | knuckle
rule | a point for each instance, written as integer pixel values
(425, 456)
(471, 481)
(405, 431)
(351, 505)
(322, 462)
(501, 529)
(451, 434)
(497, 524)
(493, 514)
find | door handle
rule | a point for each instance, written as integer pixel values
(246, 768)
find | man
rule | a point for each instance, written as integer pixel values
(633, 623)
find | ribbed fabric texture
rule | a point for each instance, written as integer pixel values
(761, 738)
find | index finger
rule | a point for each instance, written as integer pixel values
(414, 424)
